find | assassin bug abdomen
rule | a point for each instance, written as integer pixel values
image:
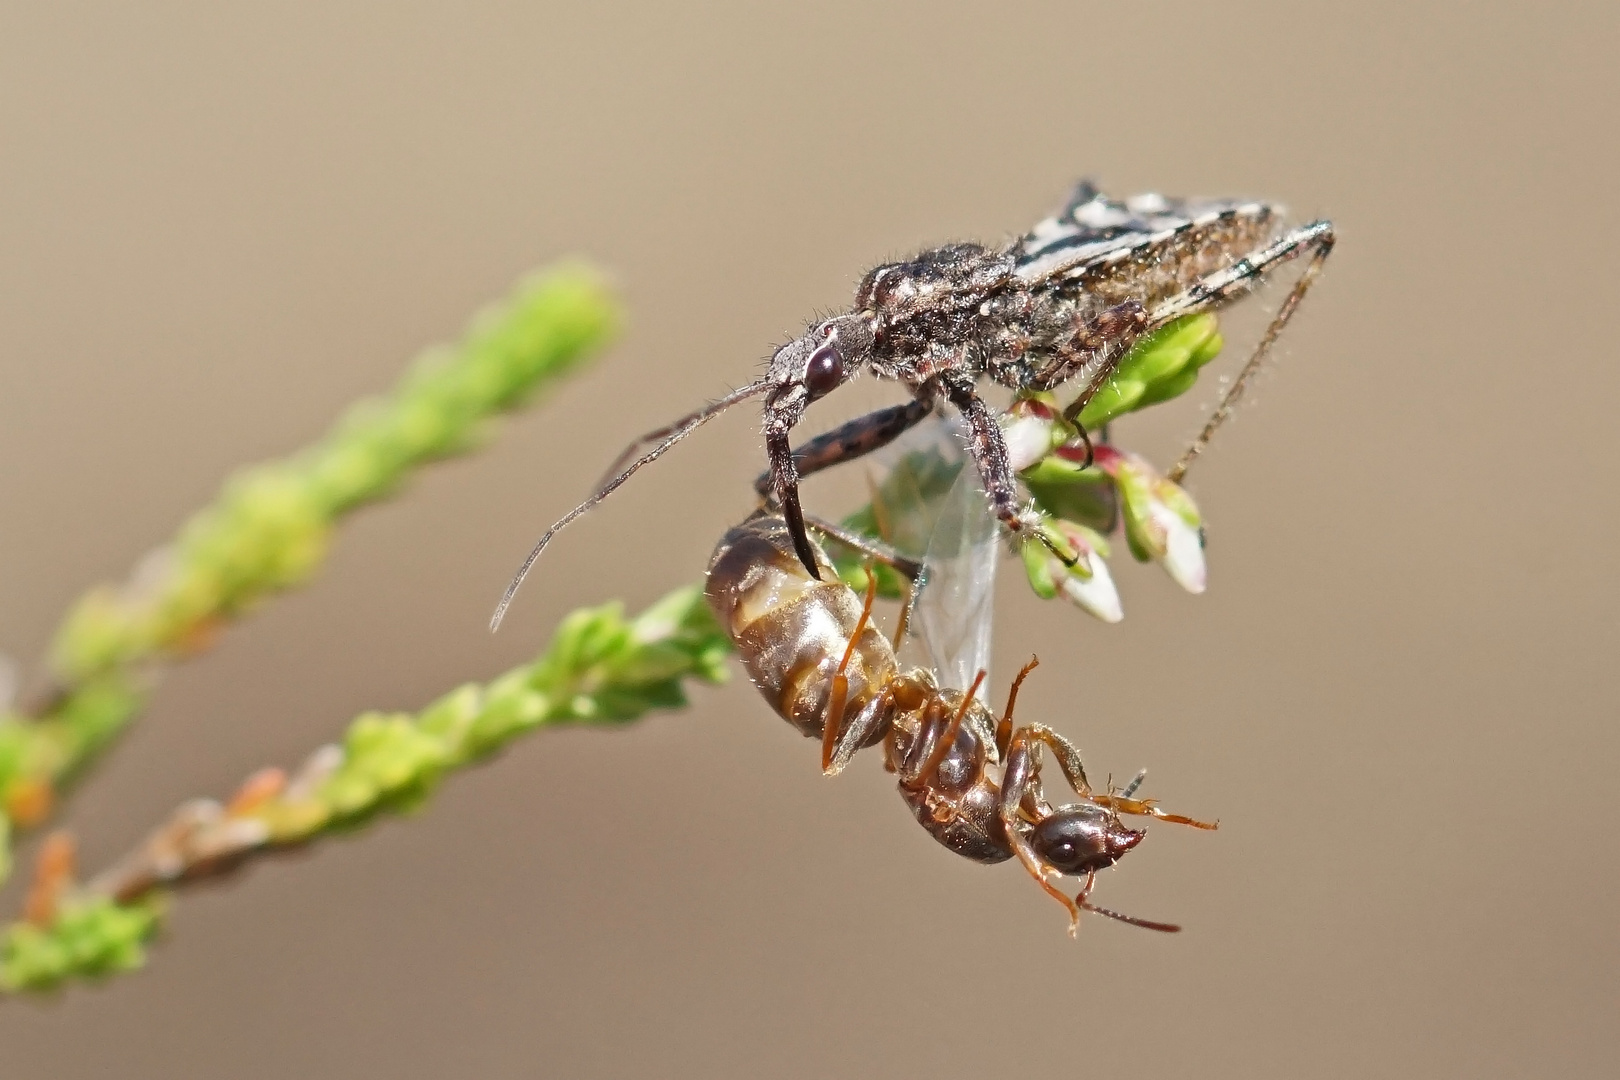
(973, 781)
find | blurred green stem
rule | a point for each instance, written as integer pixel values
(270, 528)
(599, 668)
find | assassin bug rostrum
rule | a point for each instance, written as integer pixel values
(973, 781)
(1063, 303)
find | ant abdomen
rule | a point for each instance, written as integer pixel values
(791, 630)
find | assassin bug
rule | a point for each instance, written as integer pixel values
(973, 781)
(1059, 304)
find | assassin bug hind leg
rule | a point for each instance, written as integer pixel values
(1316, 238)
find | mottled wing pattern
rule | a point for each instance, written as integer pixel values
(1094, 230)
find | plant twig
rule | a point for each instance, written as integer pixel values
(270, 528)
(600, 668)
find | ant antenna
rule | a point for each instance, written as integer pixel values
(670, 435)
(1132, 920)
(1146, 924)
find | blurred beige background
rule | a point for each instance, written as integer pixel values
(217, 227)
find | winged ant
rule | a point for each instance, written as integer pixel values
(972, 780)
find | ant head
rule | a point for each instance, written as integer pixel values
(1079, 839)
(813, 366)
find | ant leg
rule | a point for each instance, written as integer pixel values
(907, 608)
(1067, 754)
(838, 696)
(1148, 808)
(1019, 780)
(923, 746)
(1231, 283)
(1004, 729)
(914, 582)
(869, 720)
(947, 738)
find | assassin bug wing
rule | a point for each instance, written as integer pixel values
(1093, 230)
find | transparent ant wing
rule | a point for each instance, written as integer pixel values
(932, 506)
(955, 609)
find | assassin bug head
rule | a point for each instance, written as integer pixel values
(813, 366)
(802, 371)
(799, 373)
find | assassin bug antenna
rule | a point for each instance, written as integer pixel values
(667, 437)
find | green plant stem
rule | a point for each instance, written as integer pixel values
(600, 668)
(270, 528)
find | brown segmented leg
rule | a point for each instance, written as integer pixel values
(922, 749)
(1004, 729)
(1225, 285)
(853, 439)
(936, 756)
(1016, 782)
(1148, 808)
(833, 719)
(1067, 754)
(870, 719)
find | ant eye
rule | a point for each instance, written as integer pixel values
(824, 371)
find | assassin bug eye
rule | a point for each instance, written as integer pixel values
(824, 371)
